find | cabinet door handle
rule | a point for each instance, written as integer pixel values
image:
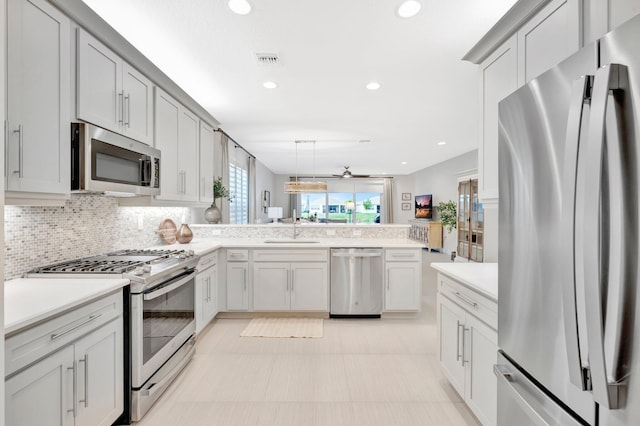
(121, 101)
(292, 278)
(20, 132)
(458, 341)
(75, 327)
(466, 300)
(127, 100)
(244, 279)
(86, 380)
(74, 408)
(464, 344)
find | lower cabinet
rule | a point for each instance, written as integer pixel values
(403, 280)
(296, 286)
(206, 296)
(81, 384)
(468, 350)
(237, 286)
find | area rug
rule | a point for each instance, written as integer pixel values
(284, 327)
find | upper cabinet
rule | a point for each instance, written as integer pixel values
(499, 75)
(111, 93)
(551, 35)
(547, 39)
(602, 16)
(38, 112)
(177, 134)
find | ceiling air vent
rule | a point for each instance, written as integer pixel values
(268, 58)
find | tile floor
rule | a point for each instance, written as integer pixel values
(362, 372)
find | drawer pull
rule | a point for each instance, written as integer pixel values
(466, 300)
(75, 327)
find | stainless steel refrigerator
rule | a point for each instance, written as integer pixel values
(569, 315)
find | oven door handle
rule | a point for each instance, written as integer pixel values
(168, 288)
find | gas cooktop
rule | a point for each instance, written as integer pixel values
(140, 266)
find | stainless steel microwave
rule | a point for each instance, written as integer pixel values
(103, 161)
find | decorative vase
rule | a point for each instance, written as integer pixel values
(213, 213)
(184, 234)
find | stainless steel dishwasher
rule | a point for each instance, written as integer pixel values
(356, 282)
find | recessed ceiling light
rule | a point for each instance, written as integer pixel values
(442, 143)
(241, 7)
(373, 86)
(403, 163)
(409, 8)
(270, 84)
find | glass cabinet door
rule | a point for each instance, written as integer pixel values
(470, 221)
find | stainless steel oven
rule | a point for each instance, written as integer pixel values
(162, 342)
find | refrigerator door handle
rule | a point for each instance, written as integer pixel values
(578, 111)
(597, 241)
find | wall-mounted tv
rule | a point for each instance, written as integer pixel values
(424, 206)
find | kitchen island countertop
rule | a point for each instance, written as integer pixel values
(28, 301)
(480, 277)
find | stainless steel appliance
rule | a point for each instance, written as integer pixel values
(356, 282)
(161, 317)
(569, 315)
(103, 161)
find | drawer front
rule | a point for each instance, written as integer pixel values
(403, 255)
(483, 308)
(235, 255)
(207, 261)
(26, 347)
(277, 255)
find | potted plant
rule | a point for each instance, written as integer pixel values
(448, 214)
(213, 213)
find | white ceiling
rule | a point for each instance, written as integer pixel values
(329, 51)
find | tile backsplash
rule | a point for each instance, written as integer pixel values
(87, 225)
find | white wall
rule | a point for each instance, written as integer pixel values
(265, 181)
(3, 97)
(441, 180)
(403, 184)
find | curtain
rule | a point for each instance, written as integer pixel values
(252, 190)
(224, 149)
(387, 201)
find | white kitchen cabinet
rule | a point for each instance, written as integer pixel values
(83, 384)
(551, 36)
(237, 279)
(468, 346)
(299, 286)
(207, 149)
(499, 78)
(176, 136)
(100, 375)
(112, 94)
(38, 96)
(403, 280)
(602, 16)
(206, 290)
(42, 394)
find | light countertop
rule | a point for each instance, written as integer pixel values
(30, 300)
(205, 245)
(480, 277)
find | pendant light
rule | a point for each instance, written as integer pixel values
(298, 187)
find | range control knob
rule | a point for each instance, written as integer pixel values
(191, 253)
(182, 256)
(138, 271)
(146, 269)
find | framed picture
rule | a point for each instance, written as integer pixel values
(406, 196)
(406, 206)
(266, 200)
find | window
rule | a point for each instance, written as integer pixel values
(345, 203)
(239, 190)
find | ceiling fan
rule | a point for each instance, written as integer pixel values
(346, 174)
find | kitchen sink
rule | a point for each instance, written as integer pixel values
(291, 241)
